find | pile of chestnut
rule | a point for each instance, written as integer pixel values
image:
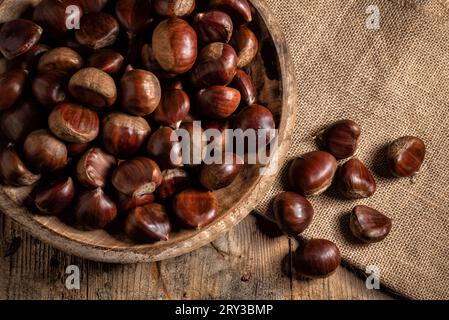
(313, 173)
(89, 111)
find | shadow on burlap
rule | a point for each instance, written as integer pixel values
(394, 81)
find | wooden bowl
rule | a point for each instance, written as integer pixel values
(274, 79)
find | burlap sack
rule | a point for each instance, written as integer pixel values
(394, 81)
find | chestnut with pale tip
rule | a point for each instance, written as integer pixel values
(218, 102)
(55, 196)
(13, 171)
(62, 58)
(148, 223)
(243, 83)
(97, 30)
(126, 203)
(195, 208)
(94, 168)
(341, 138)
(137, 177)
(218, 176)
(50, 88)
(293, 213)
(134, 15)
(173, 182)
(123, 135)
(106, 60)
(94, 210)
(316, 258)
(18, 37)
(213, 26)
(12, 84)
(369, 225)
(355, 181)
(239, 10)
(174, 8)
(312, 173)
(165, 149)
(246, 45)
(173, 108)
(405, 156)
(74, 123)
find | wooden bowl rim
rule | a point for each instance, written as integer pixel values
(237, 213)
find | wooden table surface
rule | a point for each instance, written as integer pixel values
(244, 264)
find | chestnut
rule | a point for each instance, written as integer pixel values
(150, 63)
(341, 138)
(239, 10)
(150, 222)
(218, 102)
(94, 210)
(293, 213)
(18, 37)
(93, 87)
(134, 15)
(317, 258)
(74, 123)
(175, 45)
(126, 203)
(220, 175)
(246, 45)
(12, 84)
(54, 196)
(195, 208)
(123, 135)
(140, 91)
(217, 65)
(97, 30)
(16, 123)
(369, 225)
(13, 171)
(174, 8)
(213, 26)
(94, 168)
(216, 135)
(53, 16)
(173, 108)
(62, 58)
(29, 60)
(44, 152)
(73, 44)
(355, 181)
(106, 60)
(312, 173)
(165, 149)
(50, 88)
(173, 182)
(243, 83)
(93, 5)
(77, 149)
(405, 156)
(137, 177)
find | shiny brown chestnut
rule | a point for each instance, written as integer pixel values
(16, 123)
(18, 37)
(54, 196)
(218, 102)
(369, 225)
(405, 156)
(213, 26)
(126, 203)
(175, 45)
(123, 135)
(165, 148)
(53, 15)
(140, 92)
(239, 10)
(44, 152)
(106, 60)
(134, 15)
(93, 87)
(243, 83)
(97, 30)
(217, 65)
(62, 58)
(341, 138)
(317, 258)
(174, 8)
(148, 223)
(13, 171)
(312, 173)
(93, 5)
(355, 181)
(137, 177)
(50, 88)
(94, 168)
(77, 149)
(12, 84)
(220, 175)
(74, 123)
(94, 210)
(246, 45)
(173, 182)
(195, 208)
(150, 63)
(173, 108)
(293, 213)
(29, 60)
